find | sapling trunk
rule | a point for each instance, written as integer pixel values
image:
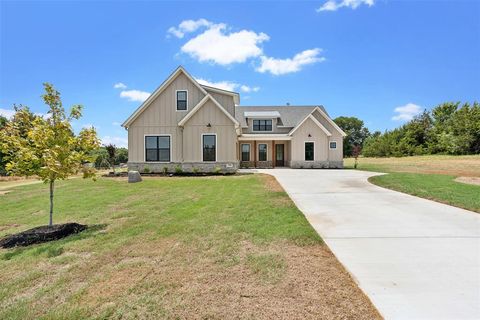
(50, 223)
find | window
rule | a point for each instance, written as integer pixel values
(157, 148)
(182, 100)
(209, 147)
(245, 152)
(262, 125)
(333, 145)
(309, 151)
(262, 152)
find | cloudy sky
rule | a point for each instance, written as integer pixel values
(382, 61)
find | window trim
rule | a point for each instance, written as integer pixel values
(304, 155)
(156, 135)
(253, 121)
(176, 101)
(266, 152)
(216, 147)
(249, 151)
(329, 146)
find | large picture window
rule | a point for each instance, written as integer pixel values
(182, 100)
(246, 152)
(262, 152)
(309, 151)
(209, 142)
(157, 148)
(262, 125)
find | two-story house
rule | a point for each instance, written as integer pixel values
(186, 125)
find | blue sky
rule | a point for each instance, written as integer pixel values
(381, 61)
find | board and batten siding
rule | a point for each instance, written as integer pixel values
(225, 100)
(300, 136)
(161, 117)
(221, 125)
(334, 154)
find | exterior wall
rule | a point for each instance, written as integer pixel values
(225, 100)
(161, 117)
(334, 154)
(220, 125)
(322, 154)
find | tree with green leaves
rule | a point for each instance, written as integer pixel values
(356, 133)
(46, 146)
(111, 150)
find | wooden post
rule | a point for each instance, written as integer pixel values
(273, 153)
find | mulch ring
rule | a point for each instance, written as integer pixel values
(41, 234)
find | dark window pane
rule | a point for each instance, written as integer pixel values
(152, 155)
(262, 125)
(209, 148)
(333, 145)
(262, 152)
(309, 151)
(182, 95)
(245, 152)
(164, 142)
(151, 142)
(164, 155)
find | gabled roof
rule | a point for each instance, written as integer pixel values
(159, 90)
(235, 95)
(290, 115)
(311, 117)
(201, 104)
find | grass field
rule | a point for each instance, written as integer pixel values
(431, 177)
(175, 248)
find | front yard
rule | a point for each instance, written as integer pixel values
(438, 177)
(203, 248)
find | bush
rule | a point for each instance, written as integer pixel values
(165, 170)
(195, 170)
(178, 170)
(217, 170)
(146, 169)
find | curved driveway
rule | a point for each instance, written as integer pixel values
(414, 258)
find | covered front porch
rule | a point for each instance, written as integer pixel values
(264, 151)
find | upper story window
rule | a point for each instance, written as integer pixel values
(157, 148)
(182, 100)
(333, 145)
(262, 125)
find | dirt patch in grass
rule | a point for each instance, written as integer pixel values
(469, 180)
(271, 183)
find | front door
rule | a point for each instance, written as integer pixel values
(279, 158)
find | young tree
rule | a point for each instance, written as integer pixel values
(47, 146)
(111, 150)
(356, 132)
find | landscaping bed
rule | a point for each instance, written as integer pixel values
(41, 234)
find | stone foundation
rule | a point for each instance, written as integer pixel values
(316, 164)
(191, 167)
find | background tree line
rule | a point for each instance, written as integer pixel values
(449, 128)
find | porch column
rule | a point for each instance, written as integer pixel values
(255, 153)
(273, 153)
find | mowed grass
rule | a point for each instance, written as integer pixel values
(430, 177)
(175, 248)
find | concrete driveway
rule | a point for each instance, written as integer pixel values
(414, 258)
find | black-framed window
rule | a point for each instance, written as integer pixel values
(333, 145)
(246, 152)
(309, 151)
(262, 152)
(182, 100)
(157, 148)
(262, 125)
(209, 143)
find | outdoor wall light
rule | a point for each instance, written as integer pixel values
(309, 135)
(209, 125)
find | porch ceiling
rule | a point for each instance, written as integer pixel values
(268, 137)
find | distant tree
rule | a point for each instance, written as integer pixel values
(47, 146)
(111, 150)
(122, 156)
(3, 121)
(356, 133)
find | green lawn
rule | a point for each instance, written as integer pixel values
(431, 177)
(209, 247)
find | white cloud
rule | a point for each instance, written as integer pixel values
(406, 112)
(333, 5)
(219, 46)
(116, 123)
(117, 141)
(120, 85)
(245, 88)
(135, 95)
(188, 26)
(283, 66)
(225, 85)
(7, 113)
(89, 126)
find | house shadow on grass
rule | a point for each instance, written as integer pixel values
(52, 248)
